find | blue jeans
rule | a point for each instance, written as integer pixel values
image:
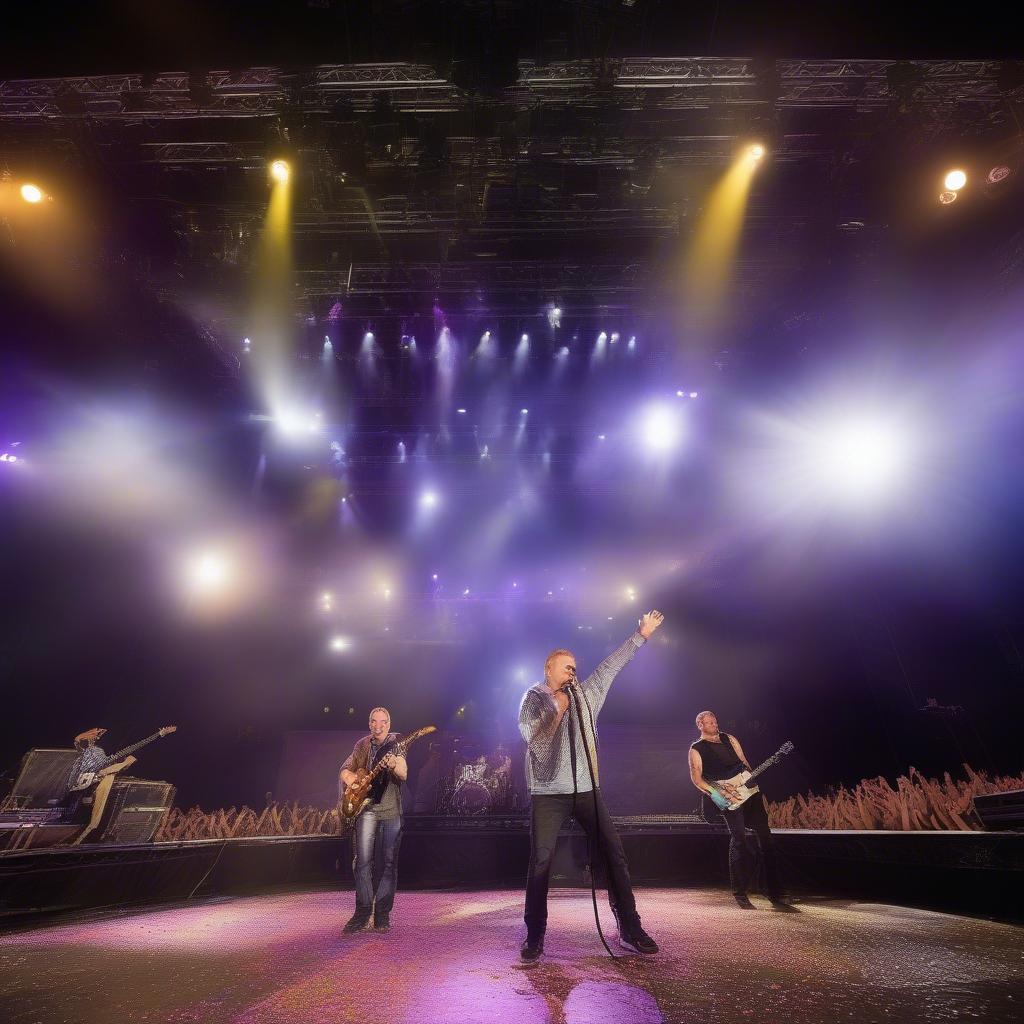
(368, 829)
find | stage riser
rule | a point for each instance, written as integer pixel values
(981, 873)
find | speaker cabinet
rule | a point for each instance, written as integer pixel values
(42, 777)
(134, 810)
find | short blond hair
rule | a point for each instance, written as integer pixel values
(551, 657)
(387, 714)
(704, 714)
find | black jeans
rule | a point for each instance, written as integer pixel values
(751, 815)
(547, 816)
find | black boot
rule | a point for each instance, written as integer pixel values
(532, 948)
(356, 923)
(743, 902)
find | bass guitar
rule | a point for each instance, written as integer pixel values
(359, 793)
(741, 783)
(80, 780)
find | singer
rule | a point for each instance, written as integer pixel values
(558, 721)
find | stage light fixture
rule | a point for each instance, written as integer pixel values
(861, 458)
(947, 197)
(660, 428)
(756, 151)
(280, 171)
(339, 643)
(955, 180)
(32, 193)
(997, 174)
(209, 571)
(429, 499)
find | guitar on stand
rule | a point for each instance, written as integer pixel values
(92, 777)
(361, 792)
(82, 778)
(731, 794)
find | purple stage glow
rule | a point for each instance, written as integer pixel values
(452, 958)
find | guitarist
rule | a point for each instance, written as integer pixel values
(715, 756)
(382, 819)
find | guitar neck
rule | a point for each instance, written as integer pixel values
(114, 758)
(761, 767)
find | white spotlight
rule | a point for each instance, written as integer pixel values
(339, 643)
(31, 193)
(209, 571)
(860, 459)
(280, 171)
(428, 499)
(660, 428)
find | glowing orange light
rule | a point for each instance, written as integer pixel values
(280, 171)
(31, 193)
(757, 151)
(955, 180)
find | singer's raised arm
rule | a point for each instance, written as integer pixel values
(597, 684)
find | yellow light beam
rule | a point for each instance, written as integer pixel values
(272, 301)
(712, 253)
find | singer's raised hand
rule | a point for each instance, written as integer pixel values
(650, 622)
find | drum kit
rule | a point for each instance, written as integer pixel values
(483, 786)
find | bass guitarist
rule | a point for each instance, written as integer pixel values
(381, 818)
(716, 756)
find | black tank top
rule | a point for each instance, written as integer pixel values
(718, 760)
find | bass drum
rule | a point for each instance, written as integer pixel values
(471, 797)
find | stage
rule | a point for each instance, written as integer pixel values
(454, 957)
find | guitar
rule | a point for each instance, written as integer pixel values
(358, 794)
(80, 780)
(741, 782)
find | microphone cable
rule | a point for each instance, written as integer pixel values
(592, 842)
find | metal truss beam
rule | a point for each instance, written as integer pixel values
(681, 83)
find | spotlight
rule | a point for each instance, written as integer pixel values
(997, 174)
(31, 193)
(428, 499)
(632, 343)
(524, 412)
(947, 197)
(630, 594)
(339, 643)
(955, 180)
(246, 343)
(860, 459)
(660, 428)
(554, 316)
(280, 171)
(693, 394)
(525, 339)
(209, 571)
(461, 412)
(756, 151)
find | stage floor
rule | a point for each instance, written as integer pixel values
(453, 956)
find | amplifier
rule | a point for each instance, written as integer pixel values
(1001, 810)
(134, 810)
(42, 776)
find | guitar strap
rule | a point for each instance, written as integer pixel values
(381, 782)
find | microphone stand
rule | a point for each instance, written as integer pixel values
(575, 696)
